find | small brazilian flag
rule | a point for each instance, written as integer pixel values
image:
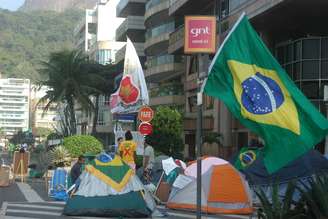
(259, 93)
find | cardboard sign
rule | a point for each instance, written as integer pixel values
(21, 162)
(200, 34)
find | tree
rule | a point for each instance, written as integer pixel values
(43, 132)
(167, 132)
(71, 81)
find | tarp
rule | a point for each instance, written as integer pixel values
(310, 163)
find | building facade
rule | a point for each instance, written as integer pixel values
(41, 118)
(14, 105)
(292, 30)
(101, 46)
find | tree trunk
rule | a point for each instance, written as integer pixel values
(95, 117)
(70, 103)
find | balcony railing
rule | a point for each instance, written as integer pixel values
(176, 40)
(162, 60)
(123, 4)
(131, 22)
(165, 28)
(167, 90)
(156, 6)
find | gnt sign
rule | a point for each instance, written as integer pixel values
(200, 34)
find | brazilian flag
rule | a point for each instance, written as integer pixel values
(246, 157)
(259, 93)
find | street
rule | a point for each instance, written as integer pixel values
(29, 200)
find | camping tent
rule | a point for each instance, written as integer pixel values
(108, 188)
(223, 189)
(305, 166)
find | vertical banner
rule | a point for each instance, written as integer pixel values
(132, 93)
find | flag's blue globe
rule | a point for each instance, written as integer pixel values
(261, 95)
(247, 158)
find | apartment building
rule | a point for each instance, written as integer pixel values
(39, 117)
(100, 44)
(133, 27)
(14, 105)
(294, 32)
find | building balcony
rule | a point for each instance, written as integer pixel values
(182, 7)
(163, 68)
(130, 7)
(133, 27)
(156, 12)
(176, 41)
(190, 124)
(169, 94)
(120, 54)
(157, 39)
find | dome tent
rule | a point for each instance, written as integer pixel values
(224, 190)
(109, 188)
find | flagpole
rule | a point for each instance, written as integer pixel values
(199, 135)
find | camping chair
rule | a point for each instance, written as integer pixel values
(58, 185)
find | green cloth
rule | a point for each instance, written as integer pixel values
(259, 93)
(246, 157)
(130, 204)
(116, 173)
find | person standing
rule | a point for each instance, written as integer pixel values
(128, 149)
(148, 162)
(117, 146)
(77, 169)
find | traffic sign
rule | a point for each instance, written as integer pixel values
(146, 114)
(145, 128)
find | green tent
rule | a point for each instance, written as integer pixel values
(109, 188)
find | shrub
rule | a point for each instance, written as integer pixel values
(60, 156)
(80, 144)
(168, 130)
(277, 207)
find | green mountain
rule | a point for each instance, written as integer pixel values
(27, 38)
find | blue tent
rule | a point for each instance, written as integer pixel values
(305, 166)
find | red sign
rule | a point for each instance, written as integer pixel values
(146, 114)
(200, 34)
(145, 128)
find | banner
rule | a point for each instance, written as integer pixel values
(132, 93)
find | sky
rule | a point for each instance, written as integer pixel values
(11, 4)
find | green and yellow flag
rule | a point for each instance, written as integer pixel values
(259, 93)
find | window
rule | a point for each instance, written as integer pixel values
(192, 103)
(324, 48)
(311, 89)
(208, 102)
(311, 48)
(310, 70)
(324, 69)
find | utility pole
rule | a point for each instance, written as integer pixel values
(199, 138)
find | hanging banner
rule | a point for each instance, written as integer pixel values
(132, 92)
(200, 34)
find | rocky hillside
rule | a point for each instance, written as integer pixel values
(57, 5)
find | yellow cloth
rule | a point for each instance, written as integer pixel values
(128, 149)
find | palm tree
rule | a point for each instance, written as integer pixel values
(70, 80)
